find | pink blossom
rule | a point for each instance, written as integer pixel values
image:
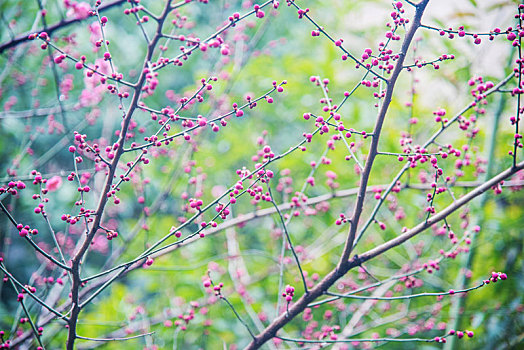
(54, 183)
(95, 34)
(330, 174)
(92, 94)
(100, 244)
(81, 10)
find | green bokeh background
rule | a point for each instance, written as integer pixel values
(278, 47)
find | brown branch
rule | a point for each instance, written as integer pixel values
(431, 140)
(442, 214)
(78, 257)
(244, 218)
(373, 151)
(344, 264)
(300, 305)
(336, 273)
(21, 38)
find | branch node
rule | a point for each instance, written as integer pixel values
(356, 259)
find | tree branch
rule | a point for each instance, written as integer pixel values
(376, 132)
(21, 38)
(442, 214)
(77, 259)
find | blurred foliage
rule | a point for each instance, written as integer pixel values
(277, 47)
